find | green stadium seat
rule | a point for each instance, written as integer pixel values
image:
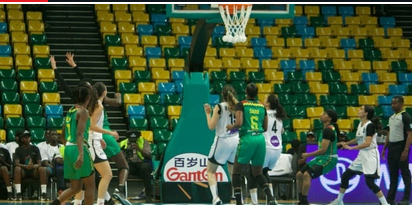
(28, 75)
(349, 100)
(171, 53)
(372, 54)
(218, 76)
(351, 135)
(317, 125)
(155, 110)
(7, 73)
(358, 89)
(237, 76)
(33, 109)
(329, 100)
(153, 147)
(341, 112)
(142, 76)
(152, 99)
(54, 123)
(399, 66)
(173, 123)
(216, 87)
(294, 77)
(155, 8)
(219, 43)
(172, 99)
(1, 122)
(15, 122)
(288, 136)
(317, 21)
(283, 88)
(324, 65)
(162, 136)
(379, 112)
(36, 121)
(159, 123)
(48, 87)
(10, 97)
(184, 52)
(308, 99)
(42, 63)
(298, 112)
(287, 99)
(365, 43)
(127, 87)
(239, 86)
(331, 77)
(163, 30)
(256, 77)
(161, 147)
(135, 123)
(356, 123)
(287, 124)
(10, 134)
(30, 98)
(119, 63)
(38, 39)
(112, 40)
(337, 88)
(37, 135)
(301, 88)
(288, 32)
(8, 85)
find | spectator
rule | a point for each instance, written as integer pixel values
(5, 167)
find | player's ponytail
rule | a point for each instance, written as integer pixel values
(274, 104)
(229, 96)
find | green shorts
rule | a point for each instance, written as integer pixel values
(71, 154)
(112, 147)
(328, 163)
(251, 149)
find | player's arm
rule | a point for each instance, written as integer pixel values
(407, 122)
(60, 79)
(370, 131)
(239, 117)
(81, 117)
(115, 102)
(63, 138)
(328, 137)
(93, 122)
(212, 120)
(265, 122)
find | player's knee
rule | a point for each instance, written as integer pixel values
(345, 178)
(370, 182)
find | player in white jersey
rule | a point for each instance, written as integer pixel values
(225, 144)
(97, 144)
(368, 161)
(273, 137)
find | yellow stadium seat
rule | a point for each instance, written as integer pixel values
(50, 98)
(34, 15)
(12, 110)
(137, 61)
(227, 52)
(104, 16)
(367, 100)
(352, 111)
(14, 6)
(262, 97)
(132, 99)
(294, 42)
(126, 27)
(139, 17)
(342, 65)
(17, 25)
(362, 65)
(313, 76)
(352, 21)
(369, 20)
(41, 51)
(252, 30)
(318, 53)
(45, 75)
(319, 88)
(376, 32)
(301, 124)
(123, 75)
(243, 52)
(394, 32)
(6, 62)
(323, 31)
(273, 75)
(133, 50)
(137, 7)
(299, 53)
(213, 63)
(148, 135)
(344, 125)
(4, 39)
(335, 20)
(336, 53)
(122, 16)
(2, 16)
(108, 27)
(128, 38)
(28, 86)
(15, 14)
(270, 64)
(176, 63)
(173, 111)
(157, 63)
(329, 42)
(2, 136)
(353, 54)
(150, 41)
(377, 89)
(402, 43)
(274, 41)
(344, 32)
(264, 88)
(19, 37)
(167, 41)
(249, 63)
(283, 22)
(104, 7)
(117, 51)
(311, 10)
(161, 75)
(120, 7)
(298, 10)
(280, 52)
(391, 55)
(383, 43)
(363, 10)
(35, 27)
(271, 31)
(146, 88)
(381, 65)
(358, 32)
(351, 77)
(314, 112)
(388, 78)
(229, 63)
(23, 61)
(312, 42)
(180, 29)
(407, 101)
(211, 52)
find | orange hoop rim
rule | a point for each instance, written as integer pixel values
(232, 6)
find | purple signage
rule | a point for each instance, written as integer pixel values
(357, 191)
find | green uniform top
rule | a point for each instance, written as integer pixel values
(254, 114)
(105, 119)
(71, 126)
(329, 133)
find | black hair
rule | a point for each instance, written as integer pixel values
(370, 110)
(334, 118)
(98, 89)
(86, 82)
(274, 104)
(251, 90)
(229, 96)
(398, 98)
(80, 94)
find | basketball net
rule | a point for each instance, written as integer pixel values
(235, 17)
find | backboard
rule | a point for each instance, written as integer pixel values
(211, 11)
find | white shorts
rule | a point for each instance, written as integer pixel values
(367, 162)
(271, 157)
(96, 151)
(223, 150)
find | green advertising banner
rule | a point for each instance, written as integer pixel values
(184, 173)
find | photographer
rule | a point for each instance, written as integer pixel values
(139, 157)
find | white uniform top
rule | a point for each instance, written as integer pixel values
(12, 146)
(273, 135)
(226, 118)
(361, 136)
(97, 135)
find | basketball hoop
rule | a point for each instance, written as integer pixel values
(235, 17)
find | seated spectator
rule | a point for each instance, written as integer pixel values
(12, 146)
(27, 164)
(139, 156)
(311, 138)
(5, 167)
(298, 149)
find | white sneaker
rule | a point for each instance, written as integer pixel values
(217, 201)
(336, 202)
